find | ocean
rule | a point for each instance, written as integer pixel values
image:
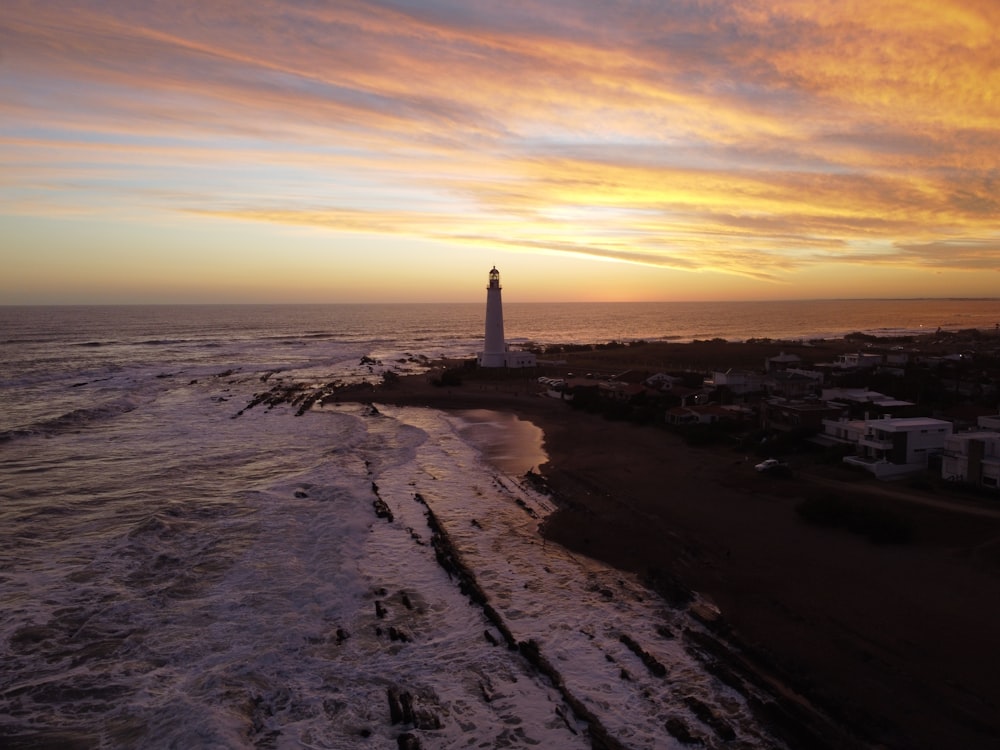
(178, 570)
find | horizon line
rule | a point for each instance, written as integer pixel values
(516, 302)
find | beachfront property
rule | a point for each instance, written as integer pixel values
(973, 458)
(707, 414)
(662, 382)
(889, 447)
(895, 363)
(496, 352)
(793, 383)
(991, 423)
(782, 361)
(858, 360)
(737, 382)
(619, 390)
(858, 401)
(785, 415)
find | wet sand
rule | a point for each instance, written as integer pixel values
(895, 642)
(512, 444)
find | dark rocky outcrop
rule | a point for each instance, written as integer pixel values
(654, 666)
(450, 560)
(403, 710)
(707, 716)
(679, 730)
(382, 509)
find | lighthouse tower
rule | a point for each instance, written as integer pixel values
(494, 352)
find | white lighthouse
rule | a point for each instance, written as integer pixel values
(495, 352)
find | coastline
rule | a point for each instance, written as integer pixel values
(890, 642)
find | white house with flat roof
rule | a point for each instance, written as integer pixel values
(972, 457)
(858, 360)
(890, 447)
(861, 396)
(991, 423)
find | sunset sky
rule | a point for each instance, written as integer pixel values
(348, 151)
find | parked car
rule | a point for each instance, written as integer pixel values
(771, 464)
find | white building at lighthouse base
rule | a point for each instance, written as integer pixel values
(508, 358)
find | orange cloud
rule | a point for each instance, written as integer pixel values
(752, 138)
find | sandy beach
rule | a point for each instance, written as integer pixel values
(895, 644)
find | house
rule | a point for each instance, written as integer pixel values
(707, 414)
(889, 446)
(630, 376)
(967, 416)
(785, 415)
(782, 362)
(991, 423)
(858, 360)
(794, 384)
(684, 396)
(617, 390)
(738, 381)
(896, 362)
(852, 395)
(860, 401)
(671, 389)
(662, 381)
(973, 458)
(897, 359)
(519, 359)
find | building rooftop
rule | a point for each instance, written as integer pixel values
(908, 422)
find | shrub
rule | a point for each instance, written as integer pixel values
(449, 378)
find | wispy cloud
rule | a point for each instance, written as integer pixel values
(752, 138)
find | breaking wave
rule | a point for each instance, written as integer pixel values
(75, 420)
